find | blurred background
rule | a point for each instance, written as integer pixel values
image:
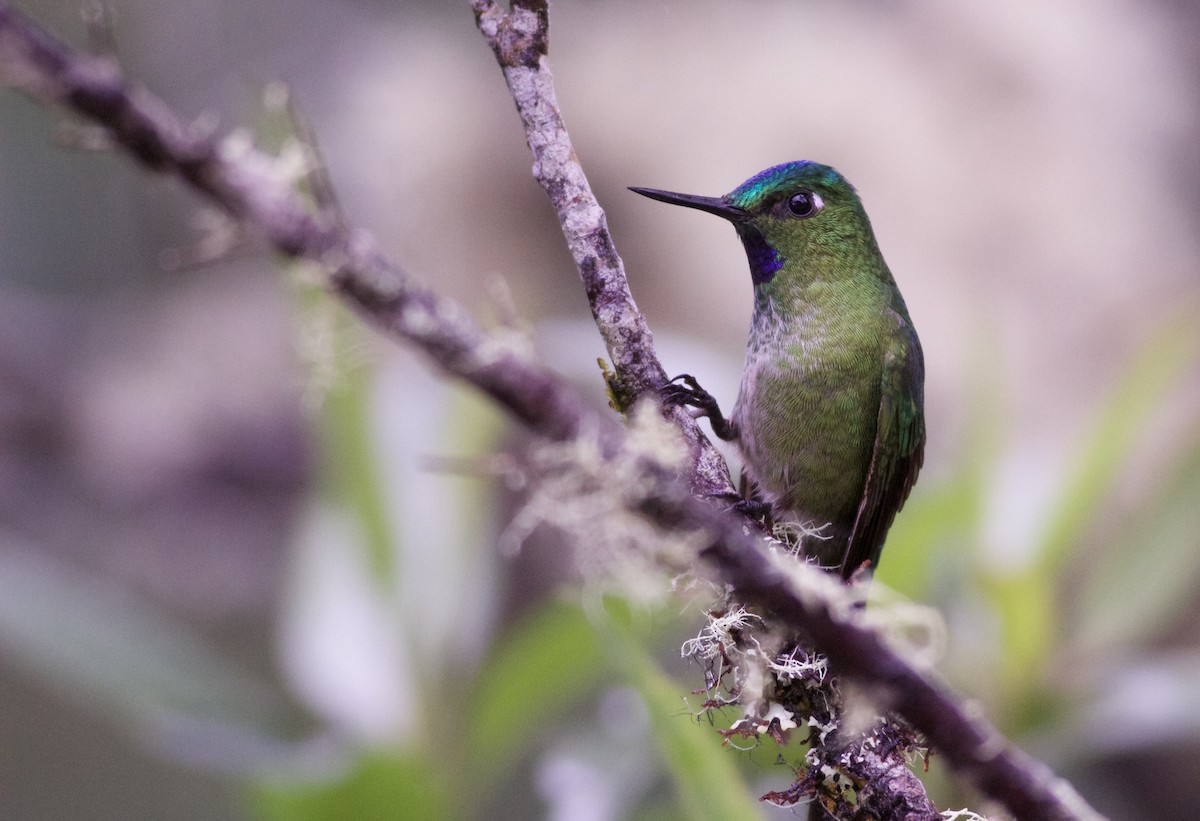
(248, 551)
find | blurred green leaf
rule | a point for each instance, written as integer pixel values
(381, 787)
(350, 476)
(1132, 593)
(1027, 598)
(1025, 603)
(1155, 371)
(339, 383)
(330, 340)
(541, 667)
(933, 523)
(706, 774)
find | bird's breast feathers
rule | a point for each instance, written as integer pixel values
(807, 409)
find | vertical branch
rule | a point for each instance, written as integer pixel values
(520, 40)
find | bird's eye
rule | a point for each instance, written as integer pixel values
(805, 203)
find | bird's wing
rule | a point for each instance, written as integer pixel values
(898, 451)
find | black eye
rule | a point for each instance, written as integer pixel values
(805, 203)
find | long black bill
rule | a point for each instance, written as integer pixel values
(713, 205)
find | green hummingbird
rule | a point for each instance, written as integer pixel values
(829, 416)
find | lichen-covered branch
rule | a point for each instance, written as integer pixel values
(520, 40)
(248, 185)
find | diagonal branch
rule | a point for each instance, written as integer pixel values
(245, 183)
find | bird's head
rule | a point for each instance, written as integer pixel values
(789, 212)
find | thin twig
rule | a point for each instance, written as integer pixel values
(241, 181)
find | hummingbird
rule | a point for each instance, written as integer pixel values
(829, 416)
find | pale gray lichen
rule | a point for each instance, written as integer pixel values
(782, 687)
(717, 633)
(591, 497)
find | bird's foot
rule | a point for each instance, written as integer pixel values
(684, 390)
(752, 508)
(755, 509)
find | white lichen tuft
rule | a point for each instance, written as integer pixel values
(794, 533)
(652, 438)
(717, 634)
(782, 687)
(801, 665)
(817, 586)
(291, 166)
(962, 815)
(577, 490)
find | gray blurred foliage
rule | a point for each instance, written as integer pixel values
(200, 598)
